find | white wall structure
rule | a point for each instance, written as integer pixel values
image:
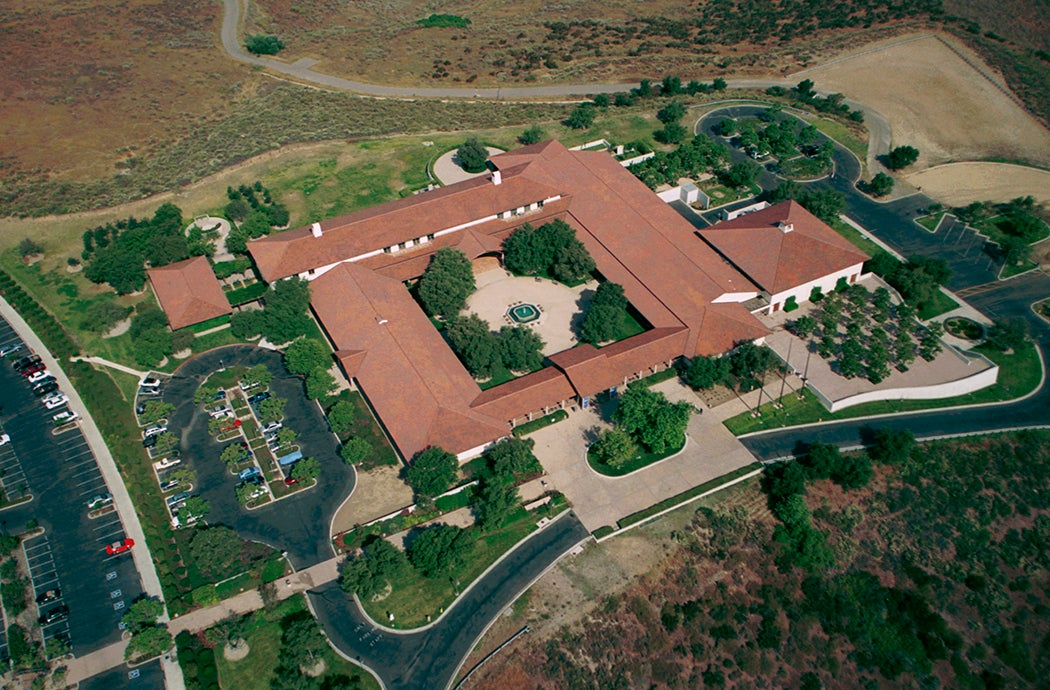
(826, 284)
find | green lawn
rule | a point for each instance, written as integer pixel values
(721, 195)
(931, 222)
(365, 426)
(1019, 374)
(940, 304)
(857, 238)
(842, 134)
(540, 423)
(414, 597)
(640, 460)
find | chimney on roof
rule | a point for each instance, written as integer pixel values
(785, 227)
(316, 229)
(380, 320)
(496, 177)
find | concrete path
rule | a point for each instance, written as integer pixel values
(82, 668)
(111, 365)
(448, 170)
(710, 452)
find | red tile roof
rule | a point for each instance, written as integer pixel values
(530, 393)
(783, 246)
(416, 385)
(189, 292)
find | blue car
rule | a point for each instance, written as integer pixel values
(248, 473)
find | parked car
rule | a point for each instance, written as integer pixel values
(38, 376)
(220, 394)
(178, 498)
(154, 430)
(119, 546)
(10, 350)
(149, 382)
(272, 428)
(49, 595)
(248, 473)
(33, 369)
(45, 387)
(258, 398)
(54, 400)
(65, 417)
(220, 412)
(288, 481)
(4, 439)
(140, 408)
(99, 501)
(257, 480)
(27, 361)
(167, 462)
(59, 613)
(150, 441)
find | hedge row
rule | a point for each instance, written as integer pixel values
(55, 337)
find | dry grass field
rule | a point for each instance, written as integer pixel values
(938, 102)
(958, 184)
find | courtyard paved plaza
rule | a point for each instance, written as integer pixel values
(560, 306)
(711, 451)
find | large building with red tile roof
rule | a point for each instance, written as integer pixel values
(188, 292)
(694, 301)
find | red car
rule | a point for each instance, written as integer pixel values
(32, 369)
(288, 481)
(119, 546)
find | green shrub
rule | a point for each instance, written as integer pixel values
(263, 44)
(444, 21)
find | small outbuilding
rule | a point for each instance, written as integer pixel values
(188, 292)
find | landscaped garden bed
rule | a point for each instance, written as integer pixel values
(964, 328)
(540, 423)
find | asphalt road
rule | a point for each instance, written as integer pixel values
(146, 677)
(297, 525)
(62, 475)
(429, 660)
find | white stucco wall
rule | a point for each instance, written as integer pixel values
(826, 284)
(949, 389)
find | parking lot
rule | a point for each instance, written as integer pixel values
(67, 549)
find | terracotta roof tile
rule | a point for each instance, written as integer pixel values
(544, 388)
(189, 292)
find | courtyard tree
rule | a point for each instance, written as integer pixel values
(614, 447)
(901, 157)
(704, 373)
(305, 355)
(605, 314)
(341, 416)
(512, 459)
(285, 310)
(368, 573)
(930, 341)
(803, 326)
(494, 502)
(651, 419)
(432, 472)
(520, 348)
(447, 283)
(470, 337)
(472, 155)
(903, 350)
(438, 550)
(552, 248)
(319, 383)
(356, 450)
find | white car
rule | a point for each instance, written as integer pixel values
(55, 401)
(64, 417)
(10, 349)
(38, 376)
(4, 439)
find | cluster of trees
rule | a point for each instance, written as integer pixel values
(605, 314)
(901, 157)
(151, 339)
(342, 417)
(472, 155)
(690, 159)
(284, 316)
(784, 137)
(743, 368)
(1018, 221)
(483, 353)
(645, 419)
(552, 249)
(117, 253)
(447, 283)
(263, 44)
(103, 314)
(918, 281)
(876, 333)
(148, 638)
(310, 358)
(253, 217)
(880, 185)
(804, 94)
(671, 116)
(825, 204)
(303, 646)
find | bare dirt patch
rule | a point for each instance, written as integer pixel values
(958, 184)
(378, 492)
(938, 103)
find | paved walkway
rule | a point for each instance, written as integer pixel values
(100, 661)
(448, 171)
(711, 451)
(111, 365)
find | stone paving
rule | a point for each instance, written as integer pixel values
(448, 171)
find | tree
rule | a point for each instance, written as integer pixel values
(472, 155)
(719, 84)
(572, 262)
(930, 341)
(881, 184)
(341, 417)
(148, 642)
(671, 133)
(470, 338)
(306, 469)
(271, 410)
(367, 573)
(512, 459)
(286, 436)
(532, 135)
(1015, 250)
(1008, 334)
(605, 314)
(853, 471)
(305, 355)
(302, 641)
(237, 210)
(447, 282)
(247, 324)
(263, 44)
(233, 454)
(432, 472)
(319, 383)
(552, 248)
(821, 459)
(614, 447)
(256, 224)
(740, 174)
(672, 112)
(28, 247)
(581, 117)
(520, 348)
(259, 375)
(196, 507)
(901, 157)
(438, 550)
(144, 611)
(651, 419)
(356, 450)
(727, 127)
(285, 310)
(155, 411)
(213, 549)
(103, 315)
(783, 479)
(892, 446)
(803, 326)
(704, 373)
(494, 502)
(748, 363)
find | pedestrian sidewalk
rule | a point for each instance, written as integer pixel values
(100, 661)
(111, 365)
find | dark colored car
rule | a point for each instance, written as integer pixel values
(48, 595)
(140, 408)
(45, 388)
(59, 613)
(41, 382)
(258, 398)
(150, 441)
(27, 361)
